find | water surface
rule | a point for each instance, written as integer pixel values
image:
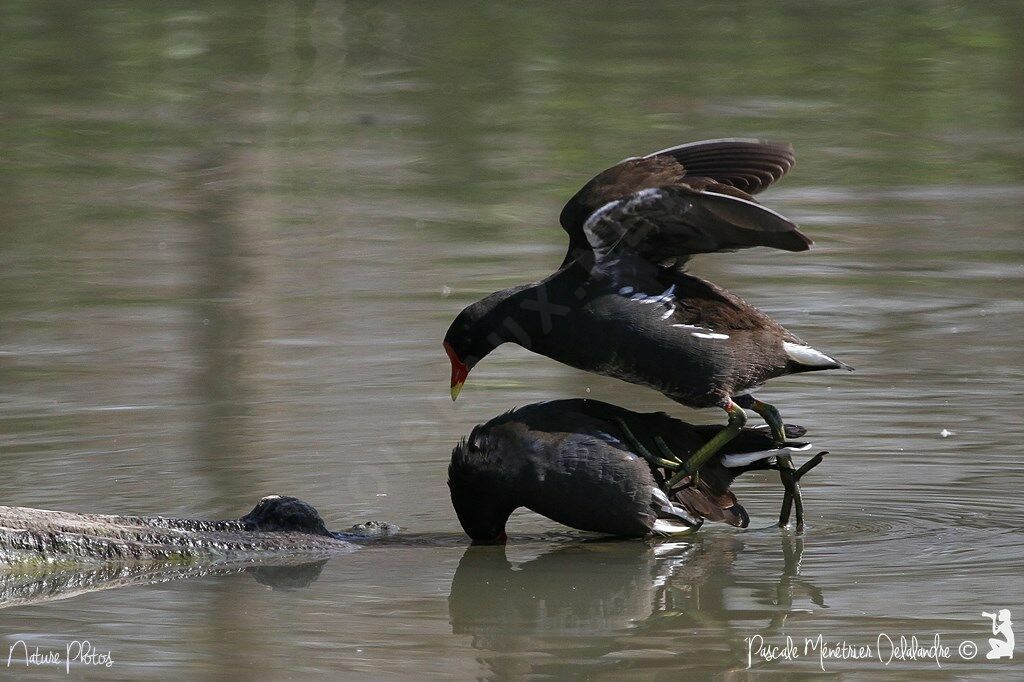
(232, 237)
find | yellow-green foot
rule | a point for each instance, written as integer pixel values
(737, 418)
(767, 412)
(669, 461)
(791, 482)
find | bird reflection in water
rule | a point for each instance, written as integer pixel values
(628, 599)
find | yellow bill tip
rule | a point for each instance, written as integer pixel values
(457, 389)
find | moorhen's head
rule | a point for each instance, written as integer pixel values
(478, 493)
(474, 333)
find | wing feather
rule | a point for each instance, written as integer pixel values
(676, 222)
(747, 164)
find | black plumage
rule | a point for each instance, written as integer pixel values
(574, 462)
(622, 305)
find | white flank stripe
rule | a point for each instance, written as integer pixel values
(745, 458)
(742, 460)
(702, 332)
(805, 355)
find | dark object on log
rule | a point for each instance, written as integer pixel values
(278, 526)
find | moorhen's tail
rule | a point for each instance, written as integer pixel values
(671, 517)
(724, 507)
(803, 358)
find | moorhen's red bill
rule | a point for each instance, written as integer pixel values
(575, 462)
(622, 305)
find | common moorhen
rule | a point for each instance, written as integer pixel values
(622, 305)
(578, 462)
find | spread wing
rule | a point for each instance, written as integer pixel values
(719, 169)
(675, 222)
(747, 165)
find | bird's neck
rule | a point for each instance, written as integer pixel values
(507, 317)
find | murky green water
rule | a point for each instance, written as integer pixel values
(232, 237)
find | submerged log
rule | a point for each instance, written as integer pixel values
(277, 527)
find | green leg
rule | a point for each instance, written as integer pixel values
(639, 448)
(772, 418)
(790, 481)
(787, 473)
(792, 494)
(737, 418)
(810, 464)
(666, 451)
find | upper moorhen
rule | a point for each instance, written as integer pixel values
(622, 305)
(577, 462)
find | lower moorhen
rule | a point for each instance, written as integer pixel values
(579, 462)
